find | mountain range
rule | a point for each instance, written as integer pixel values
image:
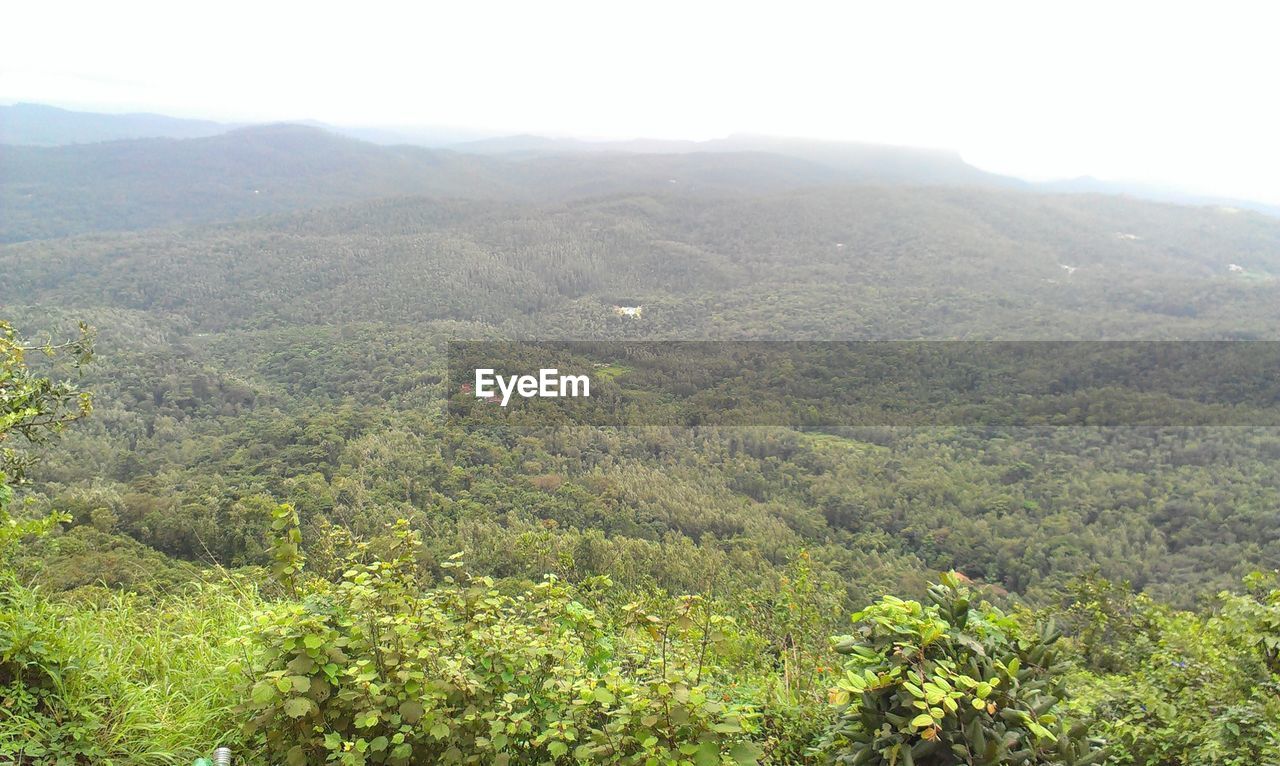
(53, 191)
(25, 126)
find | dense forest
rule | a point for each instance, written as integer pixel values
(235, 510)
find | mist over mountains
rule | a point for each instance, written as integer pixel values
(41, 125)
(247, 156)
(53, 191)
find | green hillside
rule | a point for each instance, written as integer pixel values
(267, 535)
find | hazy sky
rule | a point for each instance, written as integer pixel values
(1187, 94)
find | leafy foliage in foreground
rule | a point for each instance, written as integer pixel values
(37, 721)
(33, 406)
(1165, 686)
(372, 669)
(118, 678)
(953, 683)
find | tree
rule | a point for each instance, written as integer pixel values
(35, 660)
(34, 407)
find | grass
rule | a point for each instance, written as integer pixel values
(155, 670)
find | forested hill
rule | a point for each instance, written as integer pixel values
(55, 191)
(290, 354)
(853, 262)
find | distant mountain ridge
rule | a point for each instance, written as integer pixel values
(241, 172)
(40, 125)
(37, 125)
(246, 172)
(142, 183)
(1090, 185)
(856, 161)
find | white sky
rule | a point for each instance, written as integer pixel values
(1187, 94)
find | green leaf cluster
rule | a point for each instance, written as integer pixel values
(374, 669)
(952, 682)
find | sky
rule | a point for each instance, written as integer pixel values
(1182, 94)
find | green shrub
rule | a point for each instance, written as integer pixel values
(373, 669)
(1195, 688)
(37, 725)
(951, 683)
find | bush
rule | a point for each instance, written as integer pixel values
(1194, 688)
(37, 725)
(951, 683)
(373, 669)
